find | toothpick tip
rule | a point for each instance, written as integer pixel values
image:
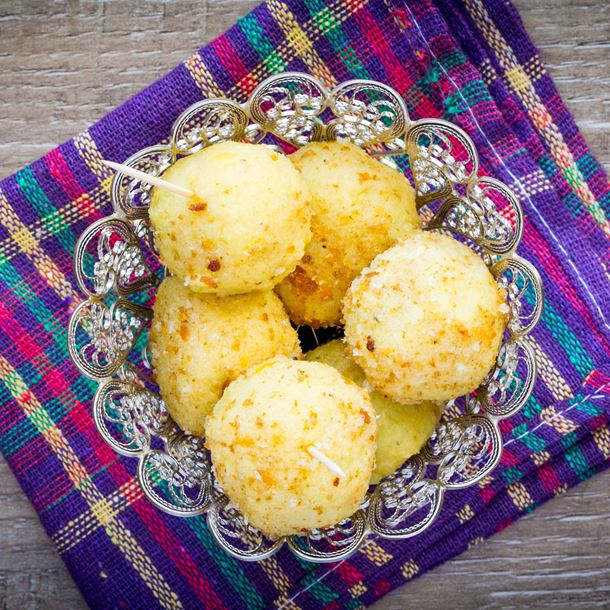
(324, 459)
(144, 177)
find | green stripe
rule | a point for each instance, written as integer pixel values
(517, 153)
(415, 96)
(24, 293)
(605, 201)
(260, 43)
(512, 474)
(51, 218)
(589, 408)
(439, 66)
(332, 30)
(572, 175)
(531, 408)
(32, 191)
(54, 327)
(74, 491)
(449, 60)
(575, 457)
(39, 310)
(534, 442)
(24, 430)
(529, 439)
(318, 590)
(17, 436)
(57, 353)
(230, 568)
(574, 204)
(30, 373)
(548, 166)
(57, 225)
(20, 433)
(314, 587)
(468, 96)
(573, 349)
(587, 166)
(11, 277)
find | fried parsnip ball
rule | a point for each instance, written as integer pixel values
(402, 430)
(360, 207)
(263, 436)
(199, 343)
(246, 226)
(425, 320)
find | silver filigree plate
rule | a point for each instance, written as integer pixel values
(117, 268)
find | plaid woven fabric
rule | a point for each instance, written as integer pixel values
(469, 61)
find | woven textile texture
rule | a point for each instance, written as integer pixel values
(469, 61)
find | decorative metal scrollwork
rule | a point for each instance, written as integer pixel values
(442, 155)
(100, 336)
(367, 113)
(333, 543)
(108, 256)
(178, 479)
(113, 262)
(289, 106)
(208, 122)
(236, 536)
(128, 415)
(131, 197)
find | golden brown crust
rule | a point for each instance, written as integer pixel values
(433, 314)
(200, 343)
(402, 430)
(359, 209)
(247, 225)
(259, 434)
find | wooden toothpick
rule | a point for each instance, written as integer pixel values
(332, 466)
(154, 180)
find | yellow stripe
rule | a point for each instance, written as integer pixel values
(90, 154)
(523, 87)
(540, 457)
(28, 244)
(520, 496)
(339, 10)
(374, 553)
(534, 68)
(98, 504)
(300, 41)
(486, 480)
(303, 37)
(561, 489)
(488, 71)
(202, 76)
(80, 528)
(602, 440)
(465, 514)
(53, 223)
(409, 569)
(536, 182)
(357, 590)
(204, 79)
(552, 378)
(275, 573)
(557, 421)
